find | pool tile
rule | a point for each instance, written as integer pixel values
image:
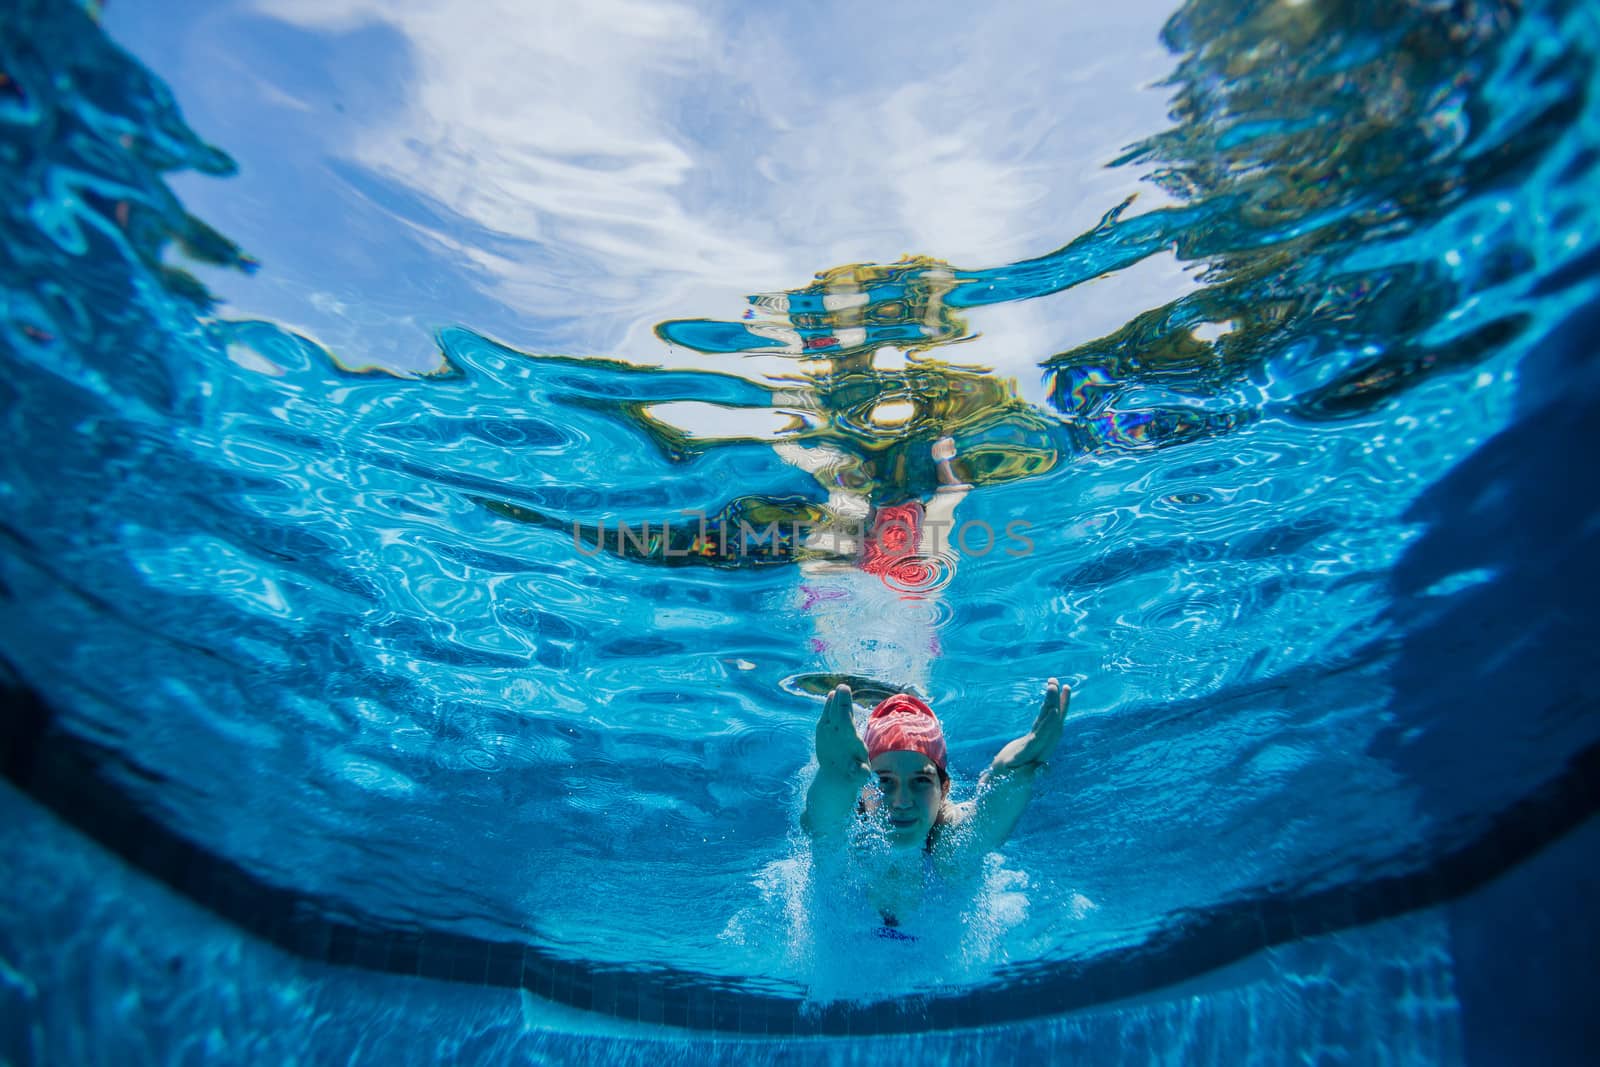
(404, 953)
(538, 975)
(777, 1019)
(469, 960)
(1277, 923)
(306, 937)
(341, 945)
(675, 1009)
(435, 958)
(504, 964)
(372, 950)
(652, 1008)
(604, 999)
(626, 997)
(581, 990)
(700, 1011)
(725, 1014)
(562, 975)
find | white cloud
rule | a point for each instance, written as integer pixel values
(668, 159)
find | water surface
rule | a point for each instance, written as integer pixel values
(1259, 315)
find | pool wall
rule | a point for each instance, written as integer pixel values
(100, 963)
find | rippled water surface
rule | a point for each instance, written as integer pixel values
(1247, 316)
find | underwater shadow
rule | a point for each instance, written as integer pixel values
(1493, 683)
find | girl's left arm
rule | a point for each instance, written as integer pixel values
(1006, 787)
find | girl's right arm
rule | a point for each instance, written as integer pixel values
(841, 768)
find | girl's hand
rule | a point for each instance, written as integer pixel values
(1005, 788)
(1034, 747)
(840, 750)
(1041, 740)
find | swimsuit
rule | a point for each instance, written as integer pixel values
(890, 930)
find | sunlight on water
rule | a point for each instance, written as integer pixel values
(477, 559)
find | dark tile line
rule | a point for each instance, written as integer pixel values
(66, 774)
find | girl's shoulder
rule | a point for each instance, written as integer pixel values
(955, 815)
(948, 845)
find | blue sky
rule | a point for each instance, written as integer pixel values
(564, 176)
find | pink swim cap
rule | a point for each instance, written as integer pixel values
(890, 551)
(904, 723)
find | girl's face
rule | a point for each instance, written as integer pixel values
(908, 796)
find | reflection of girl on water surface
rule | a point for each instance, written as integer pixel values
(869, 472)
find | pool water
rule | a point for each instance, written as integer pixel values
(1263, 338)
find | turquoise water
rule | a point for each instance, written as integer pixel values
(299, 532)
